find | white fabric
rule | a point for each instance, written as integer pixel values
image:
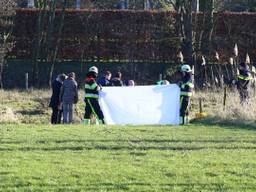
(141, 105)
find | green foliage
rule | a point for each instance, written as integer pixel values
(146, 158)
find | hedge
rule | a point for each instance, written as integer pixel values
(129, 35)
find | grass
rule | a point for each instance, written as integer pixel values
(214, 154)
(198, 157)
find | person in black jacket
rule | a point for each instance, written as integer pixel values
(54, 103)
(117, 80)
(243, 81)
(105, 80)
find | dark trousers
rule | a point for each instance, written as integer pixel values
(244, 95)
(243, 89)
(92, 106)
(184, 108)
(56, 115)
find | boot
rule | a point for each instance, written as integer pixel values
(182, 120)
(87, 122)
(186, 121)
(99, 122)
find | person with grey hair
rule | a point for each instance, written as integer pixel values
(69, 97)
(54, 103)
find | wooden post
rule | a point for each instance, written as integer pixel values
(224, 98)
(206, 76)
(200, 105)
(221, 76)
(227, 72)
(213, 77)
(26, 81)
(160, 77)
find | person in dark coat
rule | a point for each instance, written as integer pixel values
(117, 80)
(105, 80)
(243, 81)
(69, 97)
(54, 103)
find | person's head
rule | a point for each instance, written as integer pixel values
(243, 66)
(72, 75)
(186, 69)
(165, 82)
(131, 83)
(62, 77)
(118, 75)
(93, 72)
(94, 69)
(108, 75)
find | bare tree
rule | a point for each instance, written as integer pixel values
(52, 55)
(42, 5)
(206, 36)
(7, 13)
(46, 45)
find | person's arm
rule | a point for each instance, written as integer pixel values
(61, 93)
(76, 94)
(121, 83)
(99, 87)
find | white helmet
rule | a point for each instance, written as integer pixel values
(186, 68)
(93, 69)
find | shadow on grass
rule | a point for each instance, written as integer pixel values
(229, 124)
(31, 112)
(129, 148)
(140, 186)
(132, 141)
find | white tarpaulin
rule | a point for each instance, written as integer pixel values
(141, 105)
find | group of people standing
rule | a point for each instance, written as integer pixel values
(108, 81)
(65, 95)
(65, 92)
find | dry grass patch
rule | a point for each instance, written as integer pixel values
(32, 107)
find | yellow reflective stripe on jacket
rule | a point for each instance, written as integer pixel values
(191, 85)
(183, 93)
(91, 95)
(244, 77)
(92, 87)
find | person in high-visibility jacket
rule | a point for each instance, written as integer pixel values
(92, 97)
(186, 89)
(243, 81)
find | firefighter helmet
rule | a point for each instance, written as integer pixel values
(93, 69)
(186, 68)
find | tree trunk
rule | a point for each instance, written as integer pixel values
(188, 42)
(7, 13)
(38, 43)
(195, 6)
(1, 70)
(208, 28)
(55, 53)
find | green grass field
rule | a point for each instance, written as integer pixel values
(196, 158)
